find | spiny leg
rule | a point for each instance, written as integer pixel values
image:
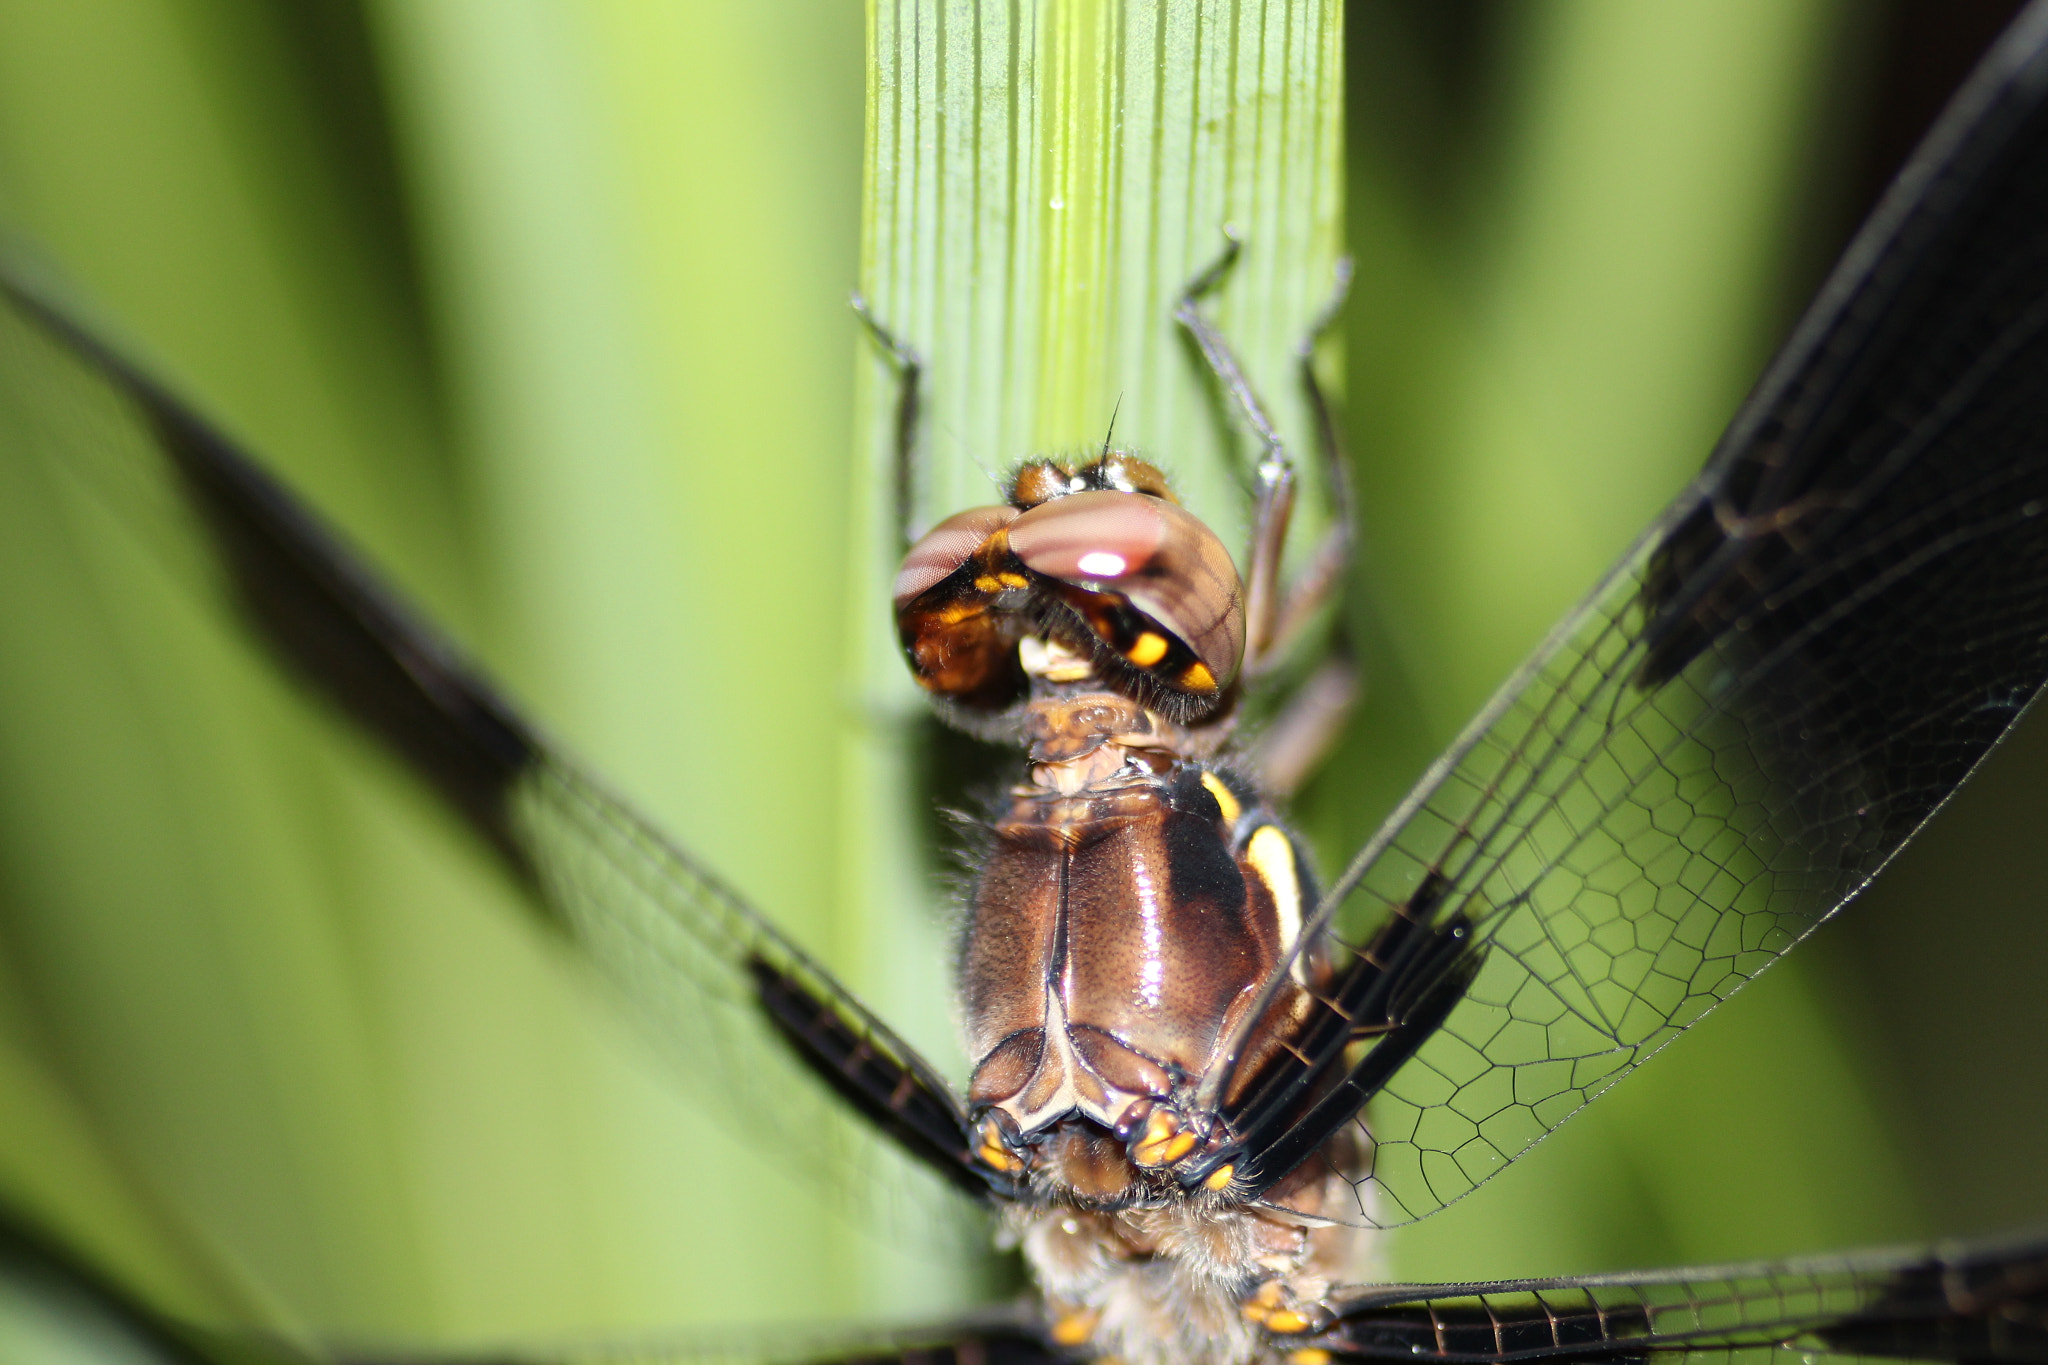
(1271, 618)
(909, 367)
(1311, 588)
(1293, 745)
(1308, 726)
(1273, 475)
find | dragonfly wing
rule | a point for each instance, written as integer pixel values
(58, 1304)
(1005, 1335)
(732, 997)
(1981, 1303)
(697, 961)
(1987, 1303)
(1772, 691)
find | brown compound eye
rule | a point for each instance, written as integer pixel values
(1158, 558)
(958, 638)
(946, 547)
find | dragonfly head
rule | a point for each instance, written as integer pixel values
(1090, 577)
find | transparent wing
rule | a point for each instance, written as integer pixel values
(1004, 1334)
(1980, 1303)
(735, 1003)
(1787, 675)
(1986, 1303)
(56, 1304)
(735, 1000)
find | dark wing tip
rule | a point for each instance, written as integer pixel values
(312, 603)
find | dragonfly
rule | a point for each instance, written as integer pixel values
(1790, 671)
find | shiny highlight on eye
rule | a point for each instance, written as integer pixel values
(1102, 564)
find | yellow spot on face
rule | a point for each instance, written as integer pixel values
(1220, 1178)
(1309, 1355)
(1074, 1329)
(1271, 855)
(1147, 650)
(1198, 678)
(1255, 1312)
(1285, 1320)
(1225, 800)
(1013, 580)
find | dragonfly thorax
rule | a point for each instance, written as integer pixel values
(1132, 903)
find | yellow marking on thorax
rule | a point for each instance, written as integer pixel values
(1225, 798)
(1075, 1327)
(1268, 1308)
(992, 1151)
(1164, 1142)
(1271, 855)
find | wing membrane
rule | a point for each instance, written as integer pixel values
(1978, 1304)
(1960, 1303)
(692, 957)
(691, 954)
(1781, 681)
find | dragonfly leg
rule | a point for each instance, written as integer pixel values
(909, 367)
(1273, 474)
(1307, 727)
(1332, 554)
(1301, 735)
(1275, 613)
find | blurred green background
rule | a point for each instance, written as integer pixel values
(544, 303)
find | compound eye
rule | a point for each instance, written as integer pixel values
(946, 547)
(1157, 557)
